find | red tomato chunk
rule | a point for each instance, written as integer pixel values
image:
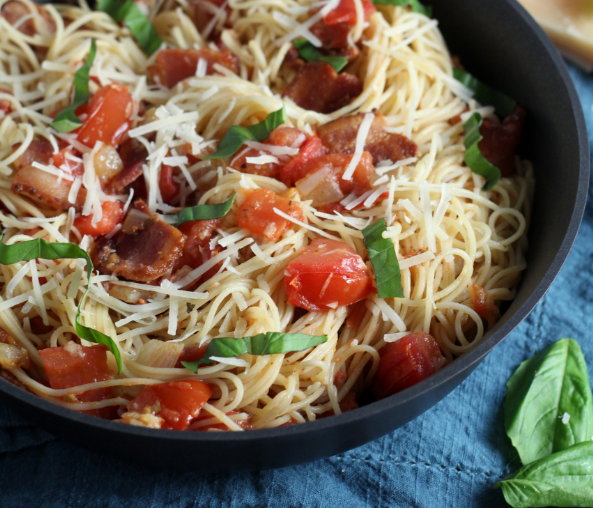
(406, 362)
(167, 185)
(257, 214)
(108, 114)
(75, 365)
(327, 274)
(177, 402)
(345, 12)
(113, 213)
(294, 170)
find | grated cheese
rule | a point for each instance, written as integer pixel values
(17, 300)
(306, 226)
(361, 137)
(388, 313)
(74, 189)
(273, 149)
(262, 159)
(235, 362)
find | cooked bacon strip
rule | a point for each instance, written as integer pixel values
(133, 155)
(13, 12)
(318, 87)
(175, 65)
(145, 249)
(501, 141)
(203, 15)
(43, 187)
(339, 136)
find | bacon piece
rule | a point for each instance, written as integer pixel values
(318, 87)
(145, 249)
(175, 65)
(339, 136)
(196, 250)
(204, 12)
(281, 136)
(133, 155)
(14, 11)
(38, 151)
(501, 141)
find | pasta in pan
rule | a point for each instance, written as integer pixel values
(363, 121)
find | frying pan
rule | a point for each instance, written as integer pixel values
(499, 43)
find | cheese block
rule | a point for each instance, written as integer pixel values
(569, 23)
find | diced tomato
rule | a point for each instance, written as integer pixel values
(482, 303)
(293, 171)
(113, 213)
(61, 161)
(345, 12)
(406, 362)
(326, 274)
(196, 250)
(257, 214)
(177, 402)
(108, 116)
(356, 315)
(245, 423)
(38, 327)
(75, 365)
(281, 136)
(175, 65)
(191, 353)
(168, 186)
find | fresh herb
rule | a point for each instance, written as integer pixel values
(473, 157)
(415, 5)
(540, 392)
(485, 94)
(42, 249)
(237, 135)
(270, 343)
(562, 479)
(66, 120)
(202, 212)
(312, 54)
(139, 25)
(382, 255)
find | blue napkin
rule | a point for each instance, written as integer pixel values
(448, 457)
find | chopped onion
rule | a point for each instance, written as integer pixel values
(11, 357)
(156, 353)
(134, 221)
(107, 163)
(128, 294)
(322, 187)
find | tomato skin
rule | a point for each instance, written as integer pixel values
(294, 170)
(76, 365)
(324, 273)
(256, 213)
(345, 12)
(406, 362)
(59, 160)
(178, 402)
(113, 213)
(169, 188)
(109, 112)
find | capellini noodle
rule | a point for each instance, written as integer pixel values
(406, 70)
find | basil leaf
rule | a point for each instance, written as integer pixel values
(40, 248)
(485, 94)
(202, 212)
(271, 343)
(473, 157)
(66, 120)
(562, 479)
(237, 135)
(138, 24)
(312, 54)
(540, 392)
(415, 5)
(382, 255)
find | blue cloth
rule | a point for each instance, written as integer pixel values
(448, 457)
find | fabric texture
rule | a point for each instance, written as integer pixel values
(448, 457)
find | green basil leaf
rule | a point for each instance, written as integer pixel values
(473, 157)
(485, 94)
(138, 24)
(540, 392)
(66, 120)
(415, 5)
(312, 54)
(562, 479)
(202, 212)
(382, 255)
(39, 248)
(237, 135)
(271, 343)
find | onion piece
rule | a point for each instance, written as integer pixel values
(321, 186)
(11, 357)
(134, 221)
(107, 163)
(156, 353)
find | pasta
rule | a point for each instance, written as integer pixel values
(457, 245)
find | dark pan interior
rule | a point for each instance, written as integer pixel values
(499, 43)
